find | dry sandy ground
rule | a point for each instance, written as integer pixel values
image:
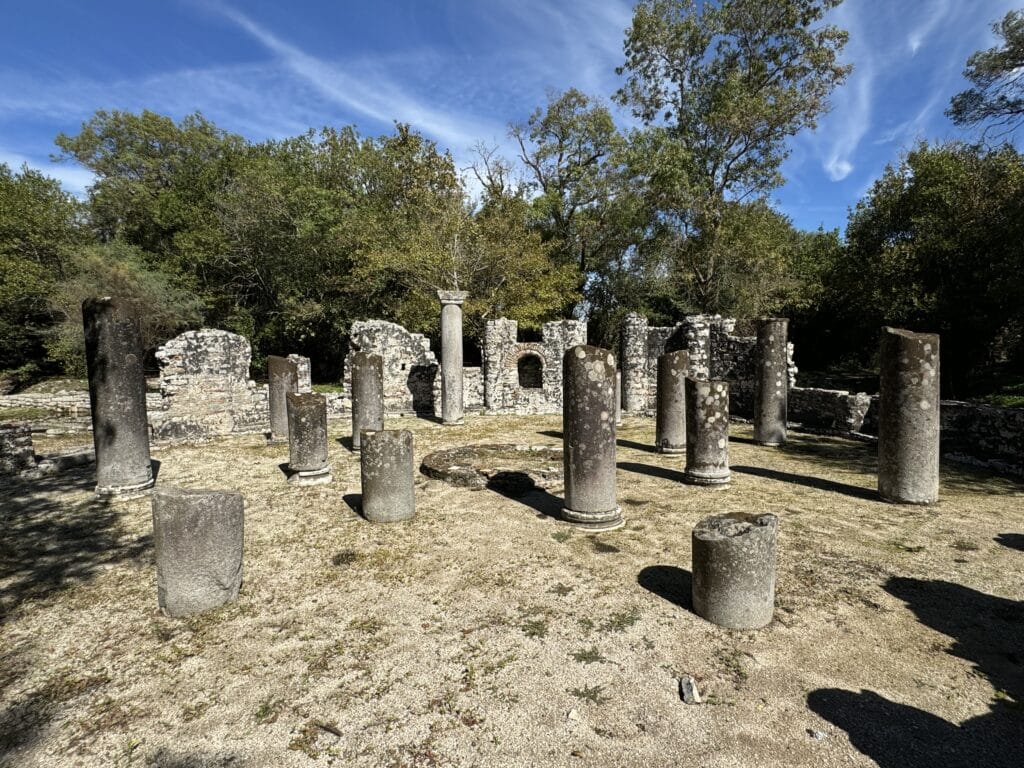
(488, 633)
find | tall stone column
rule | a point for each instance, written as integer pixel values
(618, 398)
(367, 394)
(588, 433)
(633, 351)
(707, 433)
(117, 393)
(908, 417)
(771, 381)
(734, 569)
(283, 377)
(198, 537)
(307, 439)
(386, 473)
(451, 355)
(670, 417)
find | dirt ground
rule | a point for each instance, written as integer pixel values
(488, 633)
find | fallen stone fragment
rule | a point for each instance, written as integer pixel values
(688, 691)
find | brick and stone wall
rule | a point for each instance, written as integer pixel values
(409, 365)
(472, 391)
(503, 355)
(206, 389)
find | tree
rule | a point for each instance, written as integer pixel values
(40, 228)
(936, 245)
(719, 89)
(997, 73)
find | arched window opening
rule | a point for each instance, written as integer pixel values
(531, 372)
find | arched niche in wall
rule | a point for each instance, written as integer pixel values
(531, 371)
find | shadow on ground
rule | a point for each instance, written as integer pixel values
(669, 582)
(986, 631)
(651, 470)
(809, 481)
(520, 487)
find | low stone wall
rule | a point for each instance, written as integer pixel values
(409, 366)
(472, 391)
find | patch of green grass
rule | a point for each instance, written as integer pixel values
(371, 625)
(345, 557)
(561, 589)
(25, 413)
(588, 655)
(535, 627)
(732, 660)
(591, 693)
(268, 710)
(561, 536)
(329, 388)
(586, 624)
(603, 548)
(902, 546)
(620, 621)
(963, 545)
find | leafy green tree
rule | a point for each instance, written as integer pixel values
(720, 87)
(117, 269)
(997, 74)
(938, 245)
(40, 228)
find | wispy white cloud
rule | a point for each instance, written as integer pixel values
(73, 179)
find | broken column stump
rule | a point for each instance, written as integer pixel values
(386, 470)
(707, 433)
(908, 417)
(771, 381)
(198, 538)
(283, 377)
(734, 569)
(588, 433)
(117, 393)
(307, 439)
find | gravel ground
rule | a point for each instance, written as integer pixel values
(488, 633)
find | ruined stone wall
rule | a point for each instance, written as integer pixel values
(409, 366)
(472, 391)
(714, 351)
(206, 389)
(304, 369)
(503, 353)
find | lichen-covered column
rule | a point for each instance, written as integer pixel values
(633, 350)
(734, 569)
(367, 394)
(908, 417)
(198, 539)
(707, 432)
(451, 355)
(117, 393)
(771, 381)
(307, 439)
(283, 377)
(386, 470)
(670, 416)
(588, 433)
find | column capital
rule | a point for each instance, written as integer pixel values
(452, 297)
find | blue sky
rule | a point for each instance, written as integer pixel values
(458, 70)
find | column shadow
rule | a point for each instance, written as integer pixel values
(663, 473)
(669, 582)
(520, 487)
(635, 446)
(1011, 540)
(809, 481)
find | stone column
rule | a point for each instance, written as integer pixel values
(707, 432)
(734, 569)
(307, 439)
(771, 381)
(633, 351)
(908, 417)
(198, 539)
(283, 375)
(670, 417)
(367, 394)
(451, 355)
(117, 393)
(386, 469)
(618, 398)
(588, 434)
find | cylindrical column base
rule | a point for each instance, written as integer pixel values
(198, 537)
(707, 433)
(386, 469)
(734, 570)
(311, 477)
(124, 492)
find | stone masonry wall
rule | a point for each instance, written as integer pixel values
(502, 354)
(409, 365)
(472, 391)
(16, 452)
(206, 389)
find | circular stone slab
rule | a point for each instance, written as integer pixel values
(512, 469)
